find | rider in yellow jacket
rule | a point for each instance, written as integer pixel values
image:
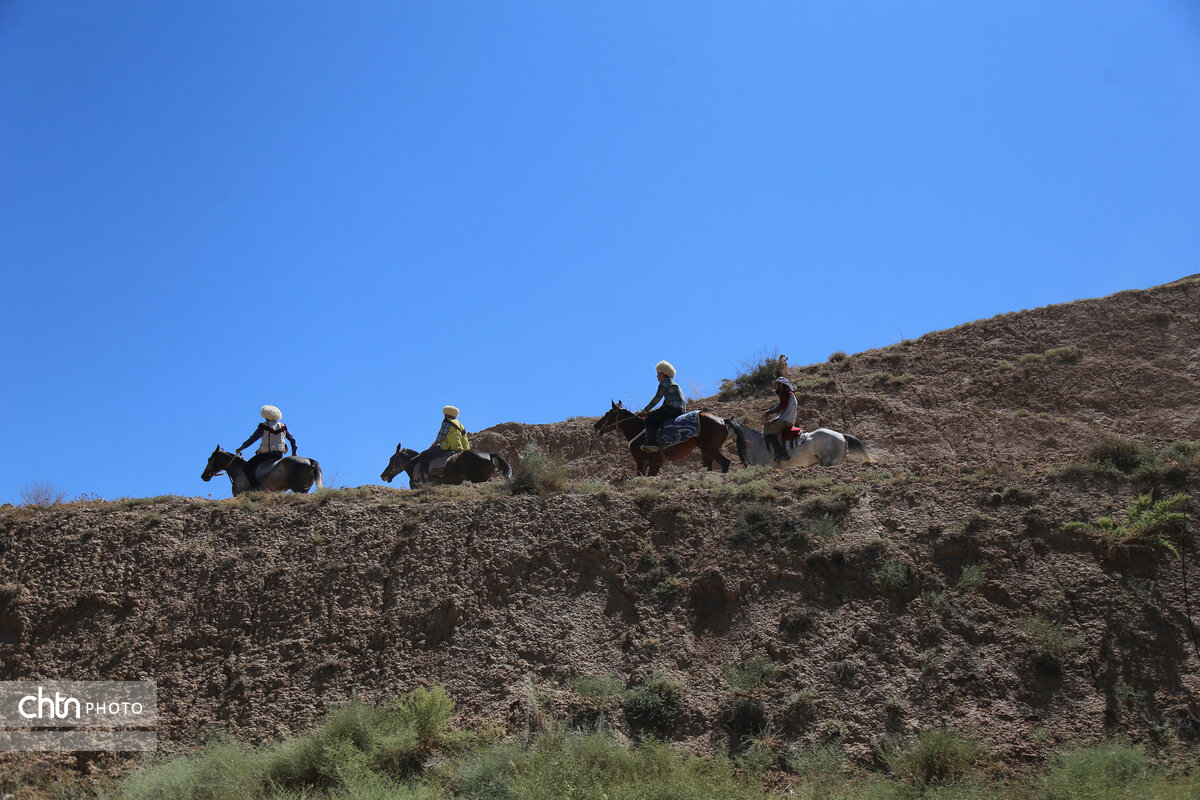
(451, 436)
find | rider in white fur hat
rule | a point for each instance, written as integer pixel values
(673, 405)
(272, 433)
(451, 436)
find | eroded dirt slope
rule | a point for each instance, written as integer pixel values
(938, 586)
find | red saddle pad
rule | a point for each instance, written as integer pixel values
(793, 433)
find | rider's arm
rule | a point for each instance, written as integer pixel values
(291, 439)
(441, 434)
(659, 395)
(254, 438)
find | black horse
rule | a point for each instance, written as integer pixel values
(469, 465)
(290, 472)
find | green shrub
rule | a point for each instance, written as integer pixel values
(488, 774)
(814, 383)
(1097, 772)
(1050, 637)
(221, 771)
(823, 528)
(821, 764)
(838, 356)
(597, 688)
(752, 674)
(654, 706)
(539, 473)
(1121, 454)
(894, 574)
(757, 376)
(971, 578)
(1183, 451)
(934, 756)
(596, 765)
(1068, 354)
(1145, 522)
(427, 713)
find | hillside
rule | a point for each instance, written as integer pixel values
(939, 586)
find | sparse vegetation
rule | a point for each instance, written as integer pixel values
(539, 473)
(653, 707)
(41, 493)
(1050, 637)
(972, 524)
(971, 578)
(933, 757)
(838, 356)
(407, 750)
(893, 574)
(1146, 522)
(752, 674)
(597, 688)
(757, 377)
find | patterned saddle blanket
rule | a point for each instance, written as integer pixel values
(680, 429)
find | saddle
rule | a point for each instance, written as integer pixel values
(680, 429)
(256, 461)
(438, 464)
(791, 433)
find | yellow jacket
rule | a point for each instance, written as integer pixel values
(456, 436)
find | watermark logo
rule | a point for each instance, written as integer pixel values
(78, 715)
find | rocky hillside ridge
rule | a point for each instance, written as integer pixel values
(1022, 389)
(942, 586)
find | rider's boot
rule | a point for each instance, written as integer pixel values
(784, 455)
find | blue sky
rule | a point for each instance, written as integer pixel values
(362, 211)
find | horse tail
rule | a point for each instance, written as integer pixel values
(502, 465)
(736, 430)
(316, 466)
(855, 446)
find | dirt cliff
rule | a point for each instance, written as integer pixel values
(943, 584)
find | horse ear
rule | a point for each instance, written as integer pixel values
(614, 402)
(397, 447)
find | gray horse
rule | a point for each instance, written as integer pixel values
(290, 472)
(822, 446)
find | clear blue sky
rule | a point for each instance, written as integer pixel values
(361, 211)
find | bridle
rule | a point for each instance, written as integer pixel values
(232, 458)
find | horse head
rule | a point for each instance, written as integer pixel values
(611, 417)
(218, 462)
(400, 461)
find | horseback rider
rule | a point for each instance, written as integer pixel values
(452, 436)
(673, 405)
(785, 419)
(272, 448)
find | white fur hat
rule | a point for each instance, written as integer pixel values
(450, 411)
(272, 413)
(665, 368)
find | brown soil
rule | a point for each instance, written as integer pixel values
(256, 615)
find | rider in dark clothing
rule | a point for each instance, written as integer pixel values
(272, 433)
(673, 405)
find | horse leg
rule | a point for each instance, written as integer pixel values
(710, 450)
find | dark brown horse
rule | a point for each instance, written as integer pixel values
(469, 465)
(713, 432)
(290, 472)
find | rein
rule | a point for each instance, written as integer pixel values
(232, 458)
(616, 426)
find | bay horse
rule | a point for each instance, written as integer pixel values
(713, 432)
(290, 472)
(469, 465)
(823, 446)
